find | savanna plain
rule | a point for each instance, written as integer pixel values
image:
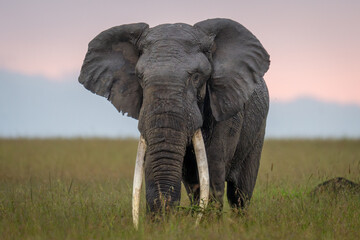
(81, 189)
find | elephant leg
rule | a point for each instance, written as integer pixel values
(193, 191)
(240, 188)
(217, 183)
(190, 176)
(221, 147)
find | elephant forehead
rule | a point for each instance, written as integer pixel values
(180, 32)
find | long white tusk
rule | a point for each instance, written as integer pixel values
(138, 177)
(203, 169)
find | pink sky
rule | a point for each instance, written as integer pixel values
(314, 45)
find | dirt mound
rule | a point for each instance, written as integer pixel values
(337, 186)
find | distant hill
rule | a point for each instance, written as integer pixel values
(31, 106)
(310, 118)
(36, 107)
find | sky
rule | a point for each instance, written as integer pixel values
(313, 45)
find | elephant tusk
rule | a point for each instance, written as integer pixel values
(203, 169)
(138, 178)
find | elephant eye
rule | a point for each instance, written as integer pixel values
(138, 73)
(196, 78)
(139, 76)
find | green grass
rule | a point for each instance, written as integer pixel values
(81, 189)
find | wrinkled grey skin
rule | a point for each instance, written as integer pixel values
(176, 78)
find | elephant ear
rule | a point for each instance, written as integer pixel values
(239, 62)
(109, 67)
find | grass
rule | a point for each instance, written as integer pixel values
(81, 189)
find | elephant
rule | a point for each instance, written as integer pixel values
(201, 103)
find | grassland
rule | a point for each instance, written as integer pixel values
(81, 189)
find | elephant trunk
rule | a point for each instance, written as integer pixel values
(163, 167)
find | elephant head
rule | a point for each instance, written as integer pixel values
(165, 77)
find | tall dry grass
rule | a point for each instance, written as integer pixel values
(81, 189)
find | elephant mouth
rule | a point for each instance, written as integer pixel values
(203, 170)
